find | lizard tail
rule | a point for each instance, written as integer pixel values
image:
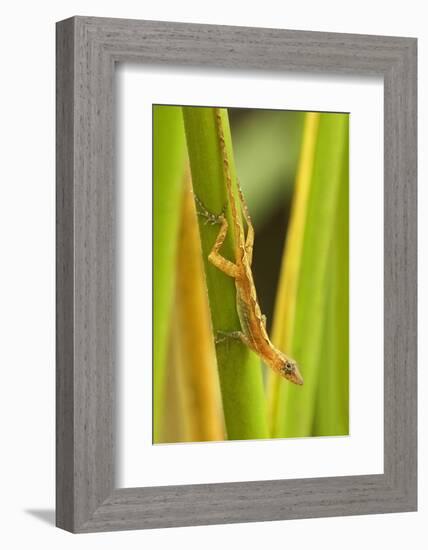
(235, 216)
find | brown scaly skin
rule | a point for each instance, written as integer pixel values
(253, 324)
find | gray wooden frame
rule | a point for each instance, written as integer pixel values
(87, 50)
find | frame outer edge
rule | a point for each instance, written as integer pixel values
(412, 283)
(413, 169)
(65, 274)
(400, 315)
(94, 273)
(408, 274)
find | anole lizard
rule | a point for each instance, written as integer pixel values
(253, 324)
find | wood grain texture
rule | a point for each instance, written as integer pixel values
(64, 277)
(87, 49)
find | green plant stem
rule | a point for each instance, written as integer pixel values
(239, 369)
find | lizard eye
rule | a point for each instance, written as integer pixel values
(288, 368)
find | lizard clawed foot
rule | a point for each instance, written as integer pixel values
(210, 218)
(221, 336)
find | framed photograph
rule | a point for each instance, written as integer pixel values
(236, 274)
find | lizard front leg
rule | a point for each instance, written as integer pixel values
(221, 336)
(219, 261)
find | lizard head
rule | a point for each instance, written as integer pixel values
(288, 369)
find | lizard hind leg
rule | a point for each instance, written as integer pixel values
(220, 262)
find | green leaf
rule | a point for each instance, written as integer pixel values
(293, 408)
(168, 166)
(240, 373)
(332, 400)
